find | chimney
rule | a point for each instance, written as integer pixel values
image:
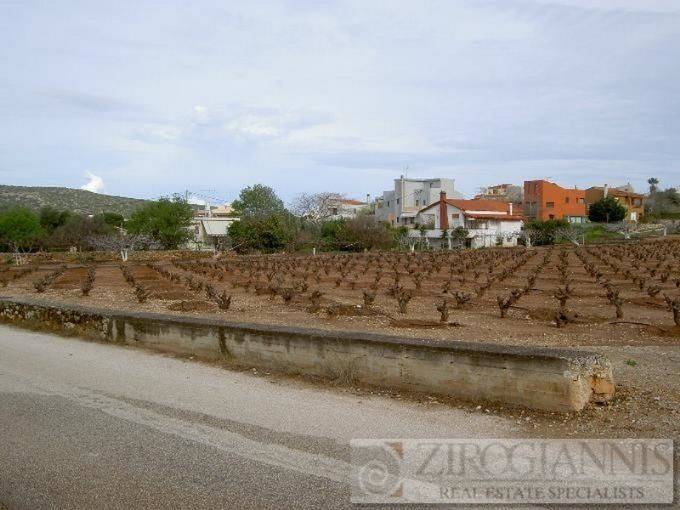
(443, 211)
(605, 191)
(510, 208)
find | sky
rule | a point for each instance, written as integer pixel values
(149, 98)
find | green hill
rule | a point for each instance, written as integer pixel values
(76, 200)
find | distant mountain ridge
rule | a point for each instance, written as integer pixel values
(76, 200)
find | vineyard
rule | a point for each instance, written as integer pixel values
(607, 294)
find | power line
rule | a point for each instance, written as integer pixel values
(203, 194)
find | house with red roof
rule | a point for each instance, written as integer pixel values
(488, 222)
(346, 208)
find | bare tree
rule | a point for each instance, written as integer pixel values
(317, 206)
(630, 228)
(572, 233)
(121, 243)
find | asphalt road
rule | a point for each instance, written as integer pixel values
(87, 425)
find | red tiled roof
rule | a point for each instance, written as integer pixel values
(478, 205)
(353, 202)
(493, 206)
(507, 217)
(622, 193)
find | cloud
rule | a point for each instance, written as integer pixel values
(655, 6)
(274, 123)
(92, 102)
(94, 184)
(253, 126)
(308, 96)
(387, 160)
(201, 114)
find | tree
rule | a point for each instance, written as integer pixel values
(653, 185)
(166, 221)
(607, 209)
(20, 229)
(544, 232)
(52, 218)
(573, 232)
(264, 223)
(664, 204)
(514, 194)
(357, 234)
(121, 243)
(459, 234)
(317, 206)
(257, 200)
(263, 233)
(76, 230)
(111, 218)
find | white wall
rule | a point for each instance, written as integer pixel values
(413, 195)
(507, 230)
(434, 212)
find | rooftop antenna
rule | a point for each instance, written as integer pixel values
(406, 171)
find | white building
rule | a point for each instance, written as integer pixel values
(488, 222)
(347, 208)
(210, 226)
(400, 206)
(215, 211)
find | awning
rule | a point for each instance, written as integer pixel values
(216, 228)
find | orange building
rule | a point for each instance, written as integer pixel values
(544, 200)
(633, 202)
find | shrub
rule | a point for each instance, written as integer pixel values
(607, 210)
(544, 232)
(141, 294)
(223, 301)
(263, 233)
(88, 282)
(358, 234)
(166, 221)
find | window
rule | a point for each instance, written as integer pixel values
(566, 200)
(637, 202)
(388, 203)
(550, 205)
(397, 200)
(476, 224)
(580, 201)
(417, 202)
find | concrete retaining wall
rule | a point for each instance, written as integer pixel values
(538, 378)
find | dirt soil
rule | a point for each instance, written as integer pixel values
(643, 345)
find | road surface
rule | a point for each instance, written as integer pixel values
(88, 425)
